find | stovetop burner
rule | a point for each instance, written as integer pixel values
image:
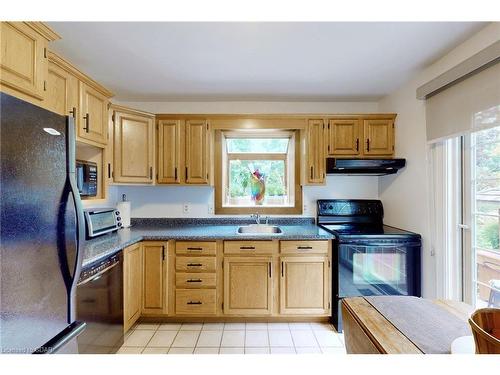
(357, 218)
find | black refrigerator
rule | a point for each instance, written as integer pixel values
(41, 229)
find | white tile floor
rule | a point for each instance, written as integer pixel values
(233, 338)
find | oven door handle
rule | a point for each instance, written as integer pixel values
(97, 275)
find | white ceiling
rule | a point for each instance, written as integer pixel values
(166, 61)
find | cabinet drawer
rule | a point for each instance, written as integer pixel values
(195, 264)
(195, 248)
(195, 301)
(250, 247)
(195, 280)
(304, 247)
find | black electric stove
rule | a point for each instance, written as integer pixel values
(369, 258)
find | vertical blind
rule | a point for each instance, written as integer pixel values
(471, 104)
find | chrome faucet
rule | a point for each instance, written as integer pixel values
(256, 217)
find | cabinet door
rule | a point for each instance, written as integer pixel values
(62, 91)
(379, 137)
(154, 299)
(93, 118)
(248, 285)
(133, 148)
(315, 171)
(304, 285)
(169, 151)
(23, 65)
(132, 285)
(197, 155)
(343, 137)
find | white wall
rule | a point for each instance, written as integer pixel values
(168, 201)
(406, 196)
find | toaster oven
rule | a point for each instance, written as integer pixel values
(102, 220)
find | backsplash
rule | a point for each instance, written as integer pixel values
(171, 201)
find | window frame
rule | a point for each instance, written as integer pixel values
(222, 158)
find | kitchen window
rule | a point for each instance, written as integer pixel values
(258, 172)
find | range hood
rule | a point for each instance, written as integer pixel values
(364, 167)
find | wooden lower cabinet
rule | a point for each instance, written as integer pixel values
(248, 285)
(132, 288)
(273, 279)
(304, 285)
(154, 261)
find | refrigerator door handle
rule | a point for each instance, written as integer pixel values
(80, 220)
(59, 341)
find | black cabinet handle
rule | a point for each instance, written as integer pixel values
(312, 172)
(73, 112)
(186, 173)
(247, 247)
(87, 122)
(282, 269)
(194, 280)
(109, 170)
(357, 144)
(194, 303)
(175, 173)
(195, 248)
(270, 270)
(367, 145)
(150, 173)
(194, 264)
(304, 247)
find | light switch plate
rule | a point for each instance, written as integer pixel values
(185, 208)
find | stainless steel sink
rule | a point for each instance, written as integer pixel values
(259, 229)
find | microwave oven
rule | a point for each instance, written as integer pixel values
(102, 220)
(86, 178)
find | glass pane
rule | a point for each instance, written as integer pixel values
(487, 231)
(257, 145)
(257, 182)
(375, 270)
(486, 205)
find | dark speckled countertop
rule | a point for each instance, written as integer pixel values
(194, 230)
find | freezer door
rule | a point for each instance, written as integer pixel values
(37, 226)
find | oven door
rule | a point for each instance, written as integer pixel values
(368, 268)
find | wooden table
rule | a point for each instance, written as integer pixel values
(366, 331)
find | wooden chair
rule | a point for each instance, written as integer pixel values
(485, 324)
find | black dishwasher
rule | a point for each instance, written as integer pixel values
(100, 305)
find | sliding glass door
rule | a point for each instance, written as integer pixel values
(482, 213)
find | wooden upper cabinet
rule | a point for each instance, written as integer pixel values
(248, 285)
(62, 91)
(23, 59)
(93, 116)
(197, 152)
(378, 137)
(169, 152)
(133, 146)
(132, 285)
(154, 257)
(315, 152)
(343, 137)
(304, 285)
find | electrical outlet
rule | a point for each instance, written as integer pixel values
(305, 208)
(210, 208)
(185, 208)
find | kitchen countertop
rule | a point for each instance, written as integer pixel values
(104, 246)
